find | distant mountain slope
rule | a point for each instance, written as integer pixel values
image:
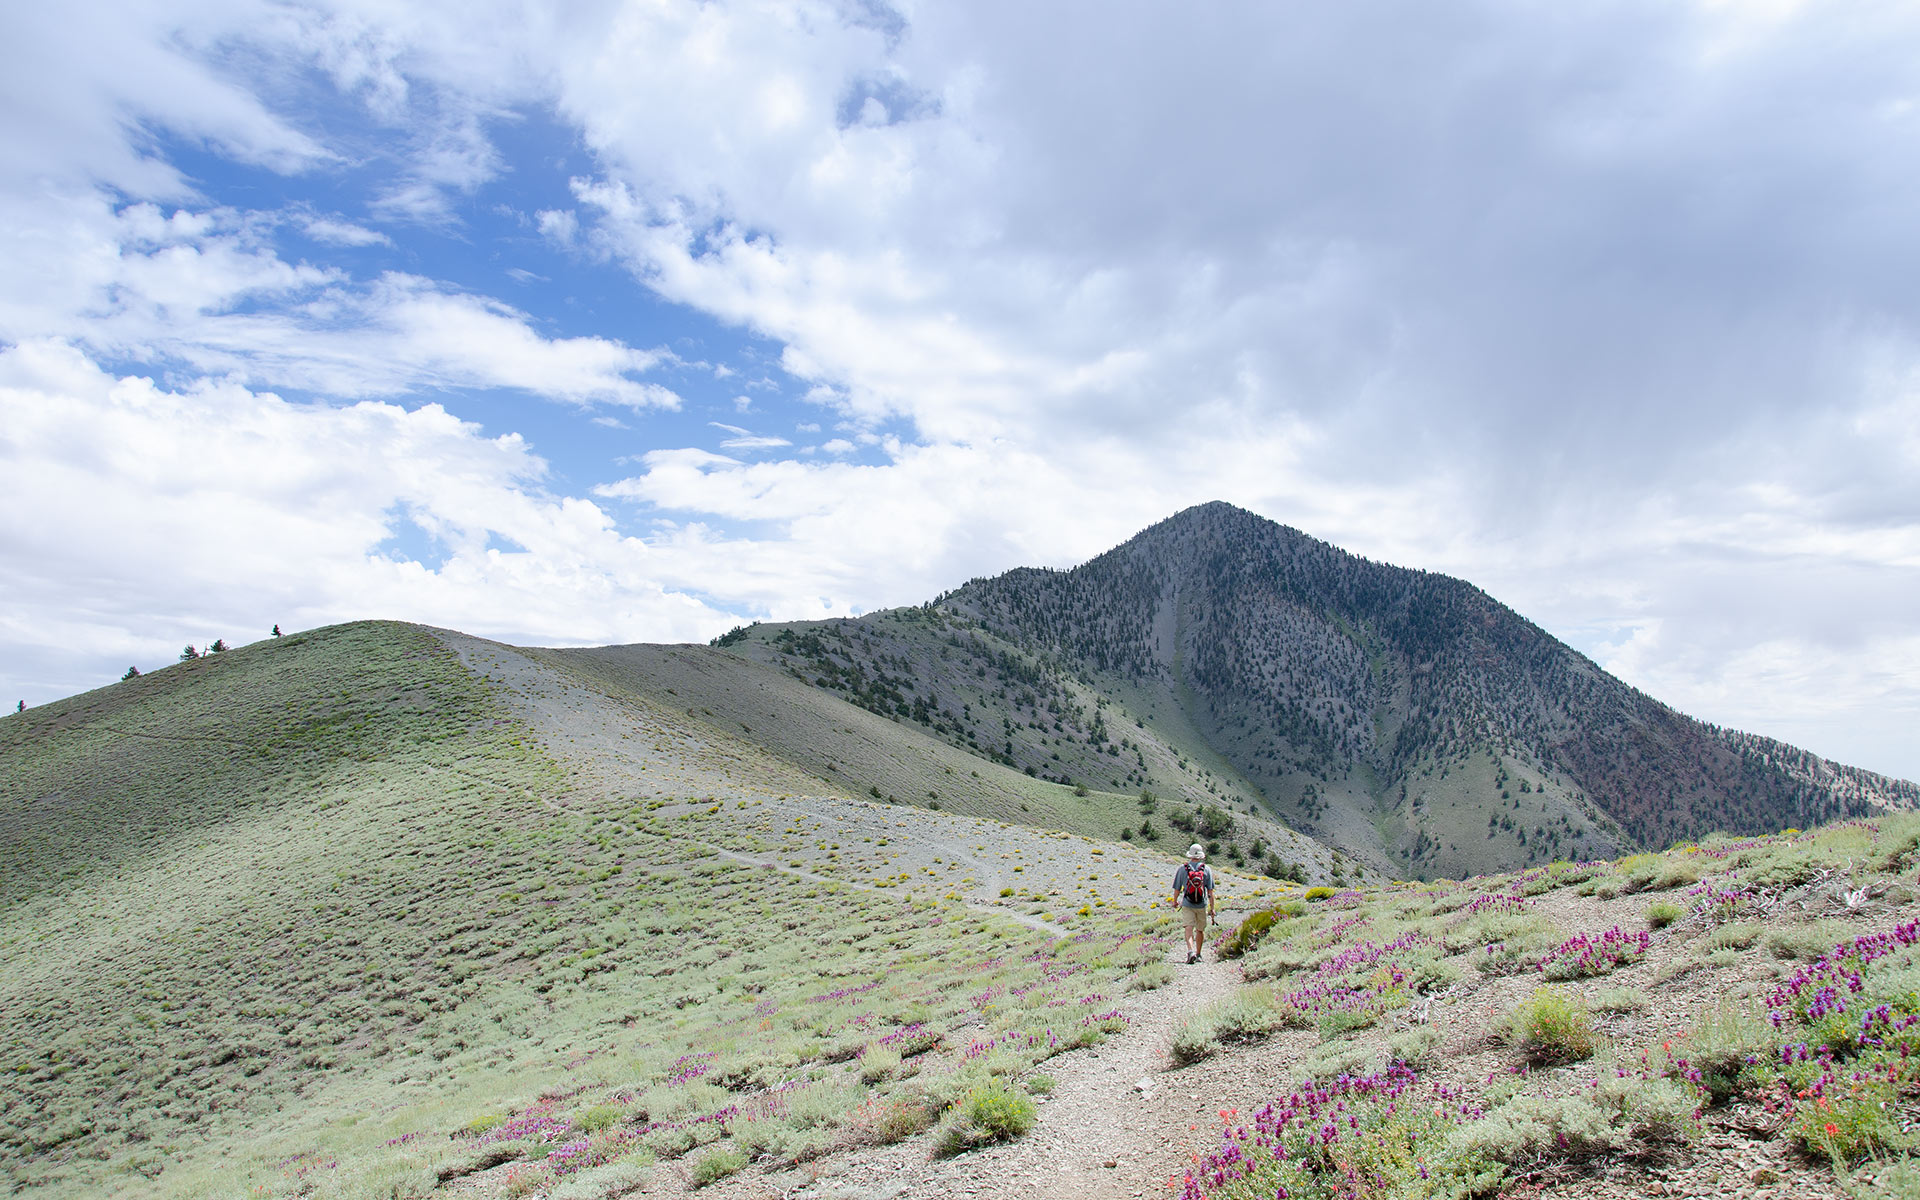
(853, 749)
(1404, 715)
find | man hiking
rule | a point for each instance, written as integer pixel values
(1193, 895)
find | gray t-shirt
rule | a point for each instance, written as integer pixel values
(1180, 886)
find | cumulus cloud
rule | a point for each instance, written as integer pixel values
(203, 289)
(560, 225)
(223, 511)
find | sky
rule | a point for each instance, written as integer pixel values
(632, 320)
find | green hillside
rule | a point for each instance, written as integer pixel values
(281, 920)
(1052, 715)
(863, 753)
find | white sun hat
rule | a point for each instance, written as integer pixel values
(1194, 851)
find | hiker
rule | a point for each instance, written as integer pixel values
(1193, 895)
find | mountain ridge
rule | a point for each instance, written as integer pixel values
(1390, 709)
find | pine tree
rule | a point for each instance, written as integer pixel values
(276, 631)
(189, 654)
(132, 673)
(219, 646)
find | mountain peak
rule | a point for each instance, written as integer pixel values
(1404, 716)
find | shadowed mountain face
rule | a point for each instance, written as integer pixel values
(1404, 716)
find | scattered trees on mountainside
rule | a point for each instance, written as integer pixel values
(1304, 664)
(1326, 661)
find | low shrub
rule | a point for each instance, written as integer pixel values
(1677, 873)
(485, 1124)
(716, 1165)
(1272, 959)
(1806, 941)
(1858, 1119)
(1414, 1047)
(1737, 936)
(1898, 843)
(1322, 1138)
(527, 1179)
(879, 1064)
(1246, 935)
(902, 1118)
(1637, 871)
(1662, 913)
(992, 1112)
(1559, 875)
(1319, 893)
(671, 1143)
(1626, 1115)
(1588, 954)
(1521, 933)
(1784, 866)
(1553, 1027)
(597, 1118)
(1192, 1041)
(1153, 975)
(1334, 1059)
(619, 1178)
(1719, 1054)
(1620, 1000)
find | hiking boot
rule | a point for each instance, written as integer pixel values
(1192, 959)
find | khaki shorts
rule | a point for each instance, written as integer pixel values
(1193, 920)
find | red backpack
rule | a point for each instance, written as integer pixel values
(1196, 886)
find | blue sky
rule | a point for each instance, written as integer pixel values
(625, 321)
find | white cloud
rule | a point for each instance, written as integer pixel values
(220, 511)
(75, 80)
(342, 233)
(754, 442)
(204, 289)
(558, 225)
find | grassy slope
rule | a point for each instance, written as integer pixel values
(863, 753)
(982, 696)
(226, 876)
(283, 920)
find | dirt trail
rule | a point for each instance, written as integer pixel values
(621, 746)
(1117, 1123)
(1116, 1126)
